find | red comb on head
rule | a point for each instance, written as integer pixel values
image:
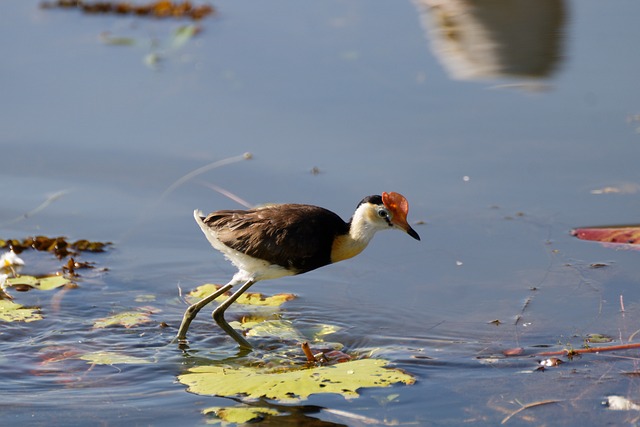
(396, 203)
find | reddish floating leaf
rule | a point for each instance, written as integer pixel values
(516, 351)
(629, 235)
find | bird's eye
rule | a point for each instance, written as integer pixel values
(383, 214)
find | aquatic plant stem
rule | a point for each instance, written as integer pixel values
(589, 350)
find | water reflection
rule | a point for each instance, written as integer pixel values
(489, 39)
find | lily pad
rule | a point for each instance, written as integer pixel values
(127, 319)
(145, 298)
(293, 385)
(112, 358)
(239, 414)
(598, 338)
(46, 283)
(13, 312)
(251, 298)
(318, 332)
(281, 329)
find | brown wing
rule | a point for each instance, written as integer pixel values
(297, 237)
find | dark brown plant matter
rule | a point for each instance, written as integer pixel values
(157, 9)
(59, 246)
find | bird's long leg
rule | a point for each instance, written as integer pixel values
(218, 315)
(193, 310)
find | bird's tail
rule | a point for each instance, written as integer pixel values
(198, 215)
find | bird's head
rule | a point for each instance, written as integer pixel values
(388, 210)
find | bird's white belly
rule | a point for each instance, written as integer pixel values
(248, 266)
(253, 268)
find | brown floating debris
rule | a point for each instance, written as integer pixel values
(516, 351)
(158, 9)
(59, 246)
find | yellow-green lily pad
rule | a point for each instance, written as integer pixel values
(145, 298)
(239, 414)
(318, 332)
(112, 358)
(46, 283)
(293, 385)
(282, 329)
(251, 298)
(127, 319)
(598, 338)
(13, 312)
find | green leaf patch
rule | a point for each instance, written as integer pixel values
(251, 298)
(128, 319)
(293, 385)
(46, 283)
(13, 312)
(112, 358)
(239, 414)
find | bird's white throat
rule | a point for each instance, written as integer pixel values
(363, 227)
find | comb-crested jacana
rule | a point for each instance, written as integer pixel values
(287, 239)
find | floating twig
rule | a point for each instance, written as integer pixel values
(203, 169)
(143, 218)
(589, 350)
(229, 194)
(528, 406)
(52, 198)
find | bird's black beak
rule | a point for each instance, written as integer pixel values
(411, 232)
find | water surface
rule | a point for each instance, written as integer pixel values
(498, 141)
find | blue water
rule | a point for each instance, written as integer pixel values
(499, 157)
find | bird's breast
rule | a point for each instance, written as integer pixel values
(345, 247)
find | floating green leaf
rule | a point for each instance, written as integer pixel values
(112, 358)
(319, 331)
(343, 378)
(598, 338)
(51, 282)
(117, 41)
(127, 319)
(145, 298)
(46, 283)
(251, 298)
(30, 281)
(281, 329)
(13, 312)
(239, 414)
(183, 34)
(284, 330)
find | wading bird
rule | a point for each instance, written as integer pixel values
(287, 239)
